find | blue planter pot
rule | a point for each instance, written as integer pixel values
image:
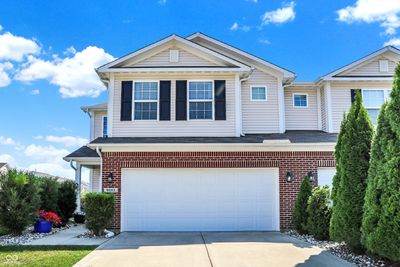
(43, 226)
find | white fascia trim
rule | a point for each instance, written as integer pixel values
(281, 106)
(361, 60)
(286, 73)
(83, 160)
(183, 69)
(110, 105)
(106, 68)
(359, 79)
(217, 147)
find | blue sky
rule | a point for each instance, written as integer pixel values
(48, 50)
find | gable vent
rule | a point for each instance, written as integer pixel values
(383, 65)
(173, 55)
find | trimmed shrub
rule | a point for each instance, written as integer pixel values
(100, 208)
(66, 200)
(19, 200)
(319, 213)
(300, 207)
(349, 191)
(48, 193)
(381, 222)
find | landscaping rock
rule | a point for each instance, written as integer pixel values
(28, 235)
(340, 250)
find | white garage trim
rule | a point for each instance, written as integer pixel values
(325, 176)
(206, 199)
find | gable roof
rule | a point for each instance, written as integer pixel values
(3, 165)
(101, 106)
(286, 73)
(113, 66)
(360, 61)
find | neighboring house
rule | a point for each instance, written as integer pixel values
(84, 185)
(199, 135)
(3, 168)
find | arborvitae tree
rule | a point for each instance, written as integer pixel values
(334, 228)
(381, 229)
(376, 183)
(300, 207)
(354, 162)
(48, 193)
(319, 213)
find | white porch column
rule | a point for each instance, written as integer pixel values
(78, 173)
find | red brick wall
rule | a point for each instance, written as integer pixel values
(300, 163)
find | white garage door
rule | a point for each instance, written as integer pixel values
(200, 199)
(325, 176)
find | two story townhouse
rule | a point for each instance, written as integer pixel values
(198, 135)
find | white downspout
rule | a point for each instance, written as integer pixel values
(101, 169)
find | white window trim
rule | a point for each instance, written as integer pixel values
(386, 95)
(200, 100)
(102, 125)
(298, 94)
(258, 86)
(145, 101)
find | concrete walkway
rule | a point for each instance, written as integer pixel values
(210, 249)
(68, 237)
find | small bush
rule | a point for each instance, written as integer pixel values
(300, 207)
(66, 200)
(19, 200)
(319, 213)
(99, 210)
(48, 193)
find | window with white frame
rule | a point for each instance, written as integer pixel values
(373, 99)
(146, 100)
(105, 126)
(300, 100)
(201, 99)
(258, 93)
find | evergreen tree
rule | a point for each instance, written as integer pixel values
(319, 213)
(300, 206)
(353, 164)
(381, 222)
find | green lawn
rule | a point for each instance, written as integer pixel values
(42, 256)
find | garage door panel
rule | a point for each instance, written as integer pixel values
(199, 199)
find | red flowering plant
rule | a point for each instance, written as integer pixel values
(50, 216)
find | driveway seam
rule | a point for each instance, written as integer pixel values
(208, 253)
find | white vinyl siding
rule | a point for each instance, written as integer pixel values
(98, 123)
(95, 186)
(341, 97)
(260, 116)
(301, 118)
(371, 68)
(173, 127)
(185, 59)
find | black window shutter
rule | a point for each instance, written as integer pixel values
(165, 100)
(353, 94)
(181, 99)
(126, 101)
(220, 99)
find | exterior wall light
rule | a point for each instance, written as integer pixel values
(311, 175)
(289, 177)
(110, 177)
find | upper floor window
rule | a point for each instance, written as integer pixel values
(258, 93)
(105, 126)
(201, 98)
(300, 100)
(146, 100)
(373, 99)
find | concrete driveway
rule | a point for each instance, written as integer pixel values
(208, 249)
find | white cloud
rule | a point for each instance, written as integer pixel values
(70, 51)
(385, 12)
(38, 137)
(35, 92)
(16, 48)
(280, 15)
(235, 26)
(264, 41)
(393, 42)
(4, 77)
(68, 141)
(74, 75)
(254, 1)
(7, 141)
(6, 158)
(1, 28)
(49, 153)
(162, 2)
(55, 169)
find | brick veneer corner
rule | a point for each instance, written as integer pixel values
(300, 163)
